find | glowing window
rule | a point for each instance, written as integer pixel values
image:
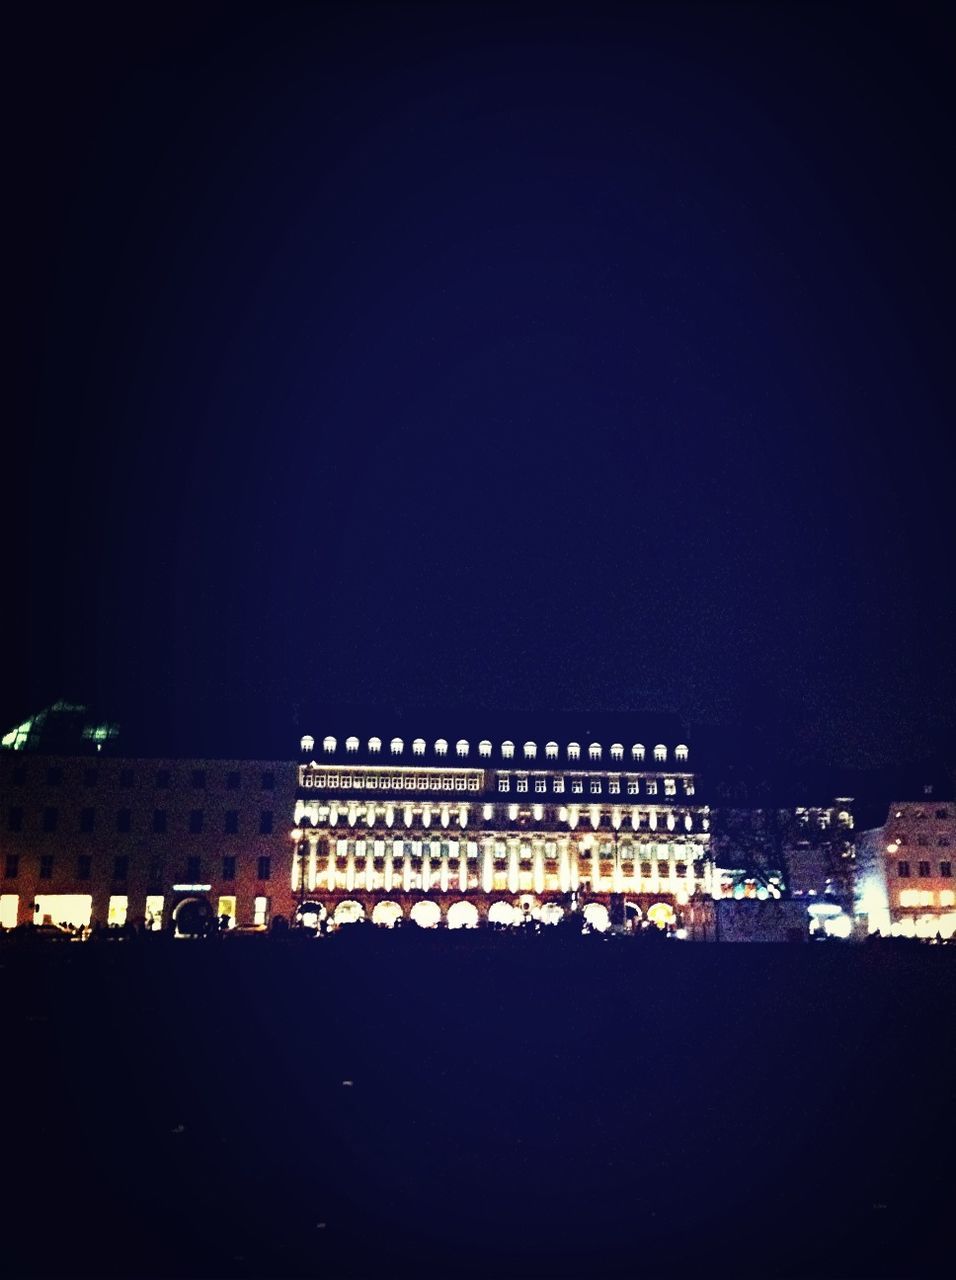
(441, 747)
(351, 744)
(397, 746)
(559, 785)
(617, 751)
(551, 750)
(328, 744)
(660, 752)
(375, 744)
(513, 812)
(307, 743)
(530, 750)
(484, 747)
(507, 750)
(116, 911)
(9, 905)
(154, 911)
(522, 784)
(504, 784)
(594, 750)
(461, 746)
(680, 753)
(418, 746)
(260, 911)
(637, 751)
(574, 751)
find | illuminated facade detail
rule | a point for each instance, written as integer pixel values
(506, 846)
(906, 885)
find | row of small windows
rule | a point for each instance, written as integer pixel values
(193, 867)
(162, 779)
(596, 786)
(903, 870)
(462, 747)
(196, 823)
(922, 839)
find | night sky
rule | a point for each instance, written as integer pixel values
(504, 356)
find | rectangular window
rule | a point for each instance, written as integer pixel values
(229, 867)
(577, 786)
(504, 784)
(522, 784)
(46, 866)
(116, 912)
(260, 911)
(198, 779)
(87, 819)
(265, 822)
(264, 868)
(9, 908)
(195, 822)
(226, 911)
(159, 821)
(54, 776)
(84, 866)
(231, 825)
(595, 787)
(614, 787)
(903, 870)
(633, 787)
(15, 819)
(121, 867)
(50, 818)
(123, 820)
(162, 779)
(233, 780)
(946, 869)
(126, 777)
(268, 780)
(154, 912)
(193, 868)
(942, 813)
(559, 786)
(652, 788)
(155, 872)
(924, 868)
(670, 787)
(11, 866)
(540, 785)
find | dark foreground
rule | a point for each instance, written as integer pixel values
(517, 1107)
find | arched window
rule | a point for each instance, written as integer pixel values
(351, 744)
(375, 744)
(461, 746)
(307, 743)
(574, 751)
(441, 747)
(418, 746)
(530, 750)
(397, 746)
(507, 750)
(328, 744)
(594, 750)
(660, 752)
(551, 750)
(637, 751)
(484, 747)
(617, 751)
(680, 753)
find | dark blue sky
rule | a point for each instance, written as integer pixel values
(518, 356)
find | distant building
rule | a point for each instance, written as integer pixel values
(920, 840)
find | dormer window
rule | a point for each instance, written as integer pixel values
(484, 747)
(637, 751)
(461, 747)
(574, 751)
(530, 750)
(660, 753)
(328, 744)
(551, 750)
(507, 750)
(617, 751)
(307, 743)
(375, 745)
(441, 747)
(418, 746)
(397, 746)
(594, 750)
(351, 744)
(680, 753)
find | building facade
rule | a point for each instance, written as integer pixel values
(920, 840)
(498, 828)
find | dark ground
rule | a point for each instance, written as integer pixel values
(567, 1107)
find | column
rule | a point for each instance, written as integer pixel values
(564, 865)
(537, 874)
(513, 866)
(595, 866)
(350, 867)
(313, 862)
(488, 864)
(464, 848)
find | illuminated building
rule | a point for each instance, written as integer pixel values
(919, 839)
(396, 825)
(89, 836)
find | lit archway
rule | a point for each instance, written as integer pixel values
(349, 912)
(462, 915)
(551, 913)
(596, 917)
(661, 914)
(192, 917)
(503, 913)
(311, 914)
(427, 915)
(386, 914)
